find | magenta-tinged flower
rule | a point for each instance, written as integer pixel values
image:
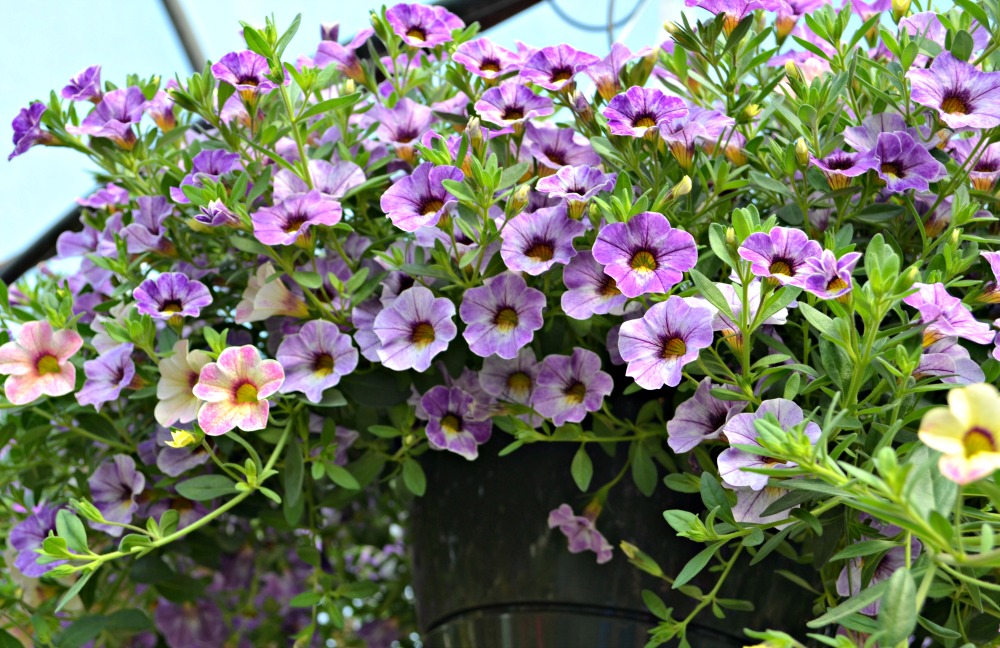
(849, 583)
(501, 316)
(344, 56)
(863, 138)
(606, 72)
(700, 418)
(581, 532)
(554, 67)
(576, 185)
(451, 422)
(589, 290)
(963, 96)
(570, 386)
(698, 125)
(422, 26)
(419, 199)
(216, 214)
(172, 294)
(85, 86)
(27, 537)
(903, 163)
(839, 167)
(992, 293)
(667, 337)
(740, 430)
(330, 179)
(316, 358)
(511, 380)
(236, 389)
(114, 116)
(828, 277)
(27, 127)
(780, 254)
(114, 487)
(246, 71)
(285, 222)
(107, 375)
(146, 232)
(485, 59)
(414, 328)
(555, 148)
(178, 376)
(946, 316)
(868, 9)
(645, 255)
(512, 103)
(986, 170)
(640, 110)
(535, 241)
(208, 165)
(37, 362)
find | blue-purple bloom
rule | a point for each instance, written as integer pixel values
(285, 222)
(172, 294)
(554, 67)
(85, 86)
(589, 290)
(145, 233)
(576, 185)
(511, 104)
(210, 164)
(316, 358)
(501, 316)
(246, 71)
(422, 26)
(780, 254)
(451, 421)
(114, 487)
(28, 130)
(642, 110)
(330, 179)
(27, 537)
(949, 360)
(107, 376)
(986, 170)
(511, 380)
(344, 56)
(606, 72)
(485, 59)
(645, 255)
(828, 277)
(402, 125)
(535, 241)
(570, 386)
(840, 166)
(700, 418)
(113, 117)
(216, 214)
(414, 328)
(698, 125)
(554, 148)
(864, 137)
(667, 337)
(111, 195)
(963, 96)
(904, 163)
(419, 199)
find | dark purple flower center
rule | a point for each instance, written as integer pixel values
(555, 156)
(172, 306)
(609, 287)
(422, 334)
(294, 222)
(836, 285)
(561, 74)
(782, 266)
(956, 102)
(248, 80)
(323, 364)
(643, 261)
(245, 392)
(644, 120)
(406, 136)
(512, 113)
(519, 382)
(978, 440)
(893, 169)
(417, 33)
(840, 162)
(490, 65)
(987, 166)
(575, 392)
(540, 250)
(430, 205)
(506, 319)
(673, 347)
(451, 423)
(47, 364)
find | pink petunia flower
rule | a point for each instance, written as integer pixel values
(236, 389)
(37, 362)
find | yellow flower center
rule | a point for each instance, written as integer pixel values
(781, 267)
(954, 105)
(643, 261)
(431, 206)
(172, 306)
(246, 393)
(931, 336)
(47, 364)
(422, 334)
(978, 440)
(506, 320)
(541, 251)
(323, 366)
(836, 284)
(519, 382)
(451, 424)
(892, 169)
(575, 393)
(644, 121)
(674, 348)
(417, 33)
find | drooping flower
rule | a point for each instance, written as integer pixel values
(285, 222)
(581, 532)
(986, 170)
(554, 67)
(114, 116)
(316, 358)
(264, 298)
(110, 196)
(422, 26)
(780, 254)
(751, 504)
(419, 199)
(951, 361)
(28, 129)
(37, 362)
(179, 373)
(639, 110)
(667, 337)
(946, 316)
(27, 537)
(246, 71)
(172, 294)
(402, 125)
(535, 241)
(555, 148)
(734, 10)
(849, 582)
(511, 104)
(206, 165)
(511, 380)
(570, 386)
(589, 290)
(700, 418)
(903, 163)
(414, 328)
(576, 185)
(828, 277)
(85, 86)
(485, 59)
(967, 432)
(161, 109)
(606, 72)
(698, 125)
(107, 376)
(645, 255)
(740, 430)
(863, 138)
(114, 487)
(963, 96)
(501, 316)
(451, 424)
(344, 56)
(839, 167)
(333, 180)
(236, 389)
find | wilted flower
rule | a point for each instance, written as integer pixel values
(107, 376)
(645, 255)
(780, 254)
(946, 316)
(700, 418)
(236, 388)
(669, 336)
(501, 316)
(589, 290)
(419, 199)
(172, 294)
(967, 432)
(485, 59)
(28, 130)
(422, 26)
(246, 71)
(963, 96)
(114, 487)
(414, 328)
(451, 424)
(37, 362)
(535, 241)
(828, 277)
(85, 86)
(570, 386)
(316, 358)
(511, 104)
(581, 532)
(554, 67)
(114, 116)
(285, 222)
(640, 110)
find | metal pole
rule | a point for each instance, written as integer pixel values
(185, 34)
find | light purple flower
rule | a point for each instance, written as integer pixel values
(576, 185)
(986, 170)
(780, 254)
(946, 316)
(316, 358)
(863, 138)
(172, 294)
(501, 316)
(733, 294)
(216, 214)
(606, 72)
(700, 418)
(422, 26)
(161, 109)
(570, 386)
(145, 233)
(344, 56)
(555, 148)
(114, 487)
(402, 125)
(849, 582)
(109, 196)
(85, 86)
(640, 110)
(330, 179)
(698, 125)
(949, 360)
(452, 424)
(554, 67)
(414, 328)
(419, 199)
(511, 380)
(27, 537)
(963, 96)
(581, 532)
(285, 222)
(114, 116)
(740, 430)
(667, 337)
(485, 59)
(903, 163)
(839, 167)
(928, 25)
(645, 255)
(589, 290)
(868, 9)
(107, 376)
(512, 103)
(735, 10)
(28, 130)
(535, 241)
(828, 277)
(246, 71)
(211, 164)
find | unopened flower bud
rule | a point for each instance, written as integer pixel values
(518, 201)
(956, 236)
(475, 130)
(801, 152)
(682, 188)
(792, 71)
(748, 113)
(181, 439)
(350, 86)
(582, 108)
(899, 9)
(641, 559)
(670, 27)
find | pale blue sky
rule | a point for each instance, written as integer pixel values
(43, 44)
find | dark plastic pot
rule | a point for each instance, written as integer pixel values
(489, 573)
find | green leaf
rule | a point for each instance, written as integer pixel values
(342, 477)
(81, 631)
(413, 477)
(977, 12)
(655, 605)
(359, 589)
(74, 590)
(512, 174)
(308, 279)
(460, 191)
(898, 615)
(384, 431)
(206, 487)
(294, 474)
(131, 620)
(863, 548)
(643, 470)
(822, 322)
(256, 42)
(582, 468)
(854, 604)
(70, 528)
(7, 640)
(696, 564)
(711, 292)
(769, 184)
(961, 45)
(330, 105)
(713, 495)
(305, 600)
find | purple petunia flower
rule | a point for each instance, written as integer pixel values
(928, 25)
(186, 625)
(114, 116)
(535, 241)
(209, 165)
(114, 487)
(751, 504)
(828, 277)
(576, 185)
(839, 167)
(740, 430)
(451, 422)
(316, 358)
(419, 199)
(950, 361)
(700, 418)
(501, 316)
(414, 328)
(589, 290)
(27, 537)
(963, 96)
(555, 148)
(511, 380)
(172, 294)
(645, 255)
(780, 254)
(402, 125)
(216, 214)
(669, 336)
(734, 10)
(986, 170)
(110, 196)
(849, 583)
(107, 376)
(868, 9)
(422, 26)
(946, 316)
(863, 138)
(903, 163)
(606, 72)
(161, 109)
(554, 67)
(570, 386)
(285, 222)
(330, 179)
(581, 532)
(246, 71)
(698, 125)
(485, 59)
(28, 131)
(510, 104)
(145, 233)
(344, 56)
(85, 86)
(790, 12)
(642, 110)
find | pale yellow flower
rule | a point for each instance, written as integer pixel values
(967, 432)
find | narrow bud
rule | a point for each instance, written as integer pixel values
(899, 9)
(801, 152)
(682, 188)
(792, 71)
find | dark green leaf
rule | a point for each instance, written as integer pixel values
(582, 468)
(897, 617)
(206, 487)
(413, 477)
(696, 564)
(342, 477)
(330, 105)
